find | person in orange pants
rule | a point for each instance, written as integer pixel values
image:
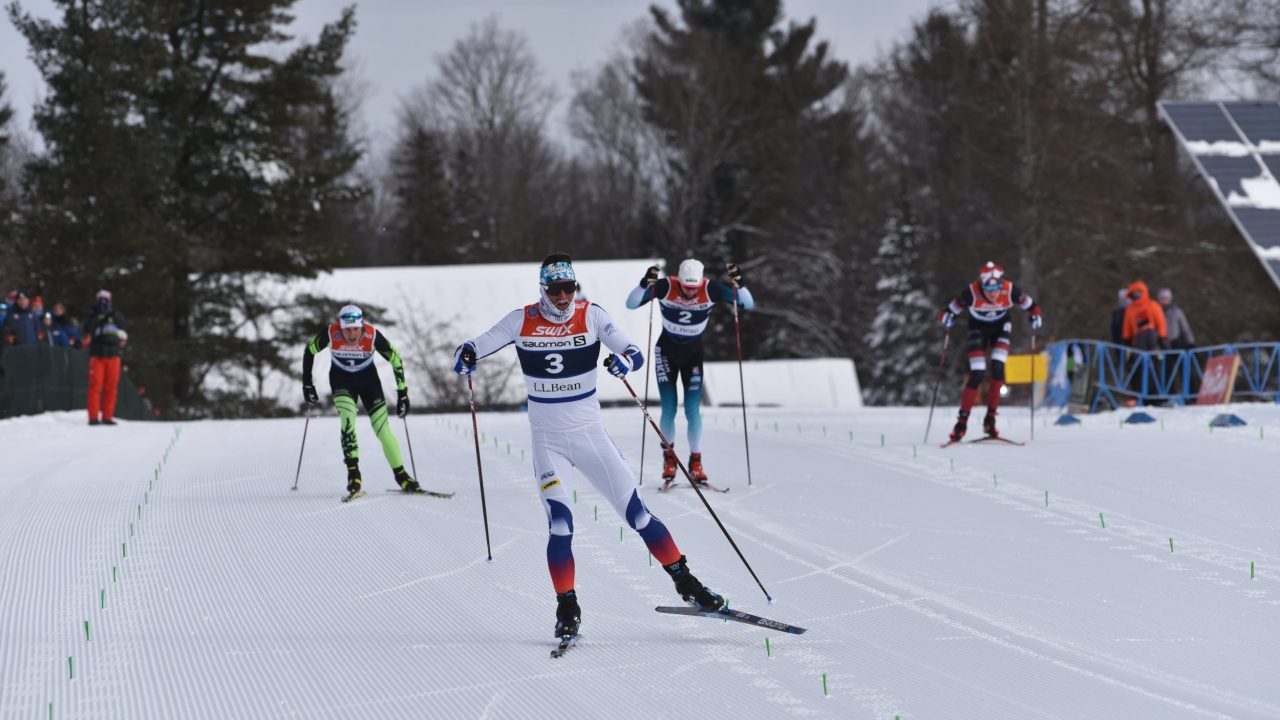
(107, 337)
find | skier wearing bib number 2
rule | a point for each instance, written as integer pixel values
(557, 341)
(686, 300)
(987, 300)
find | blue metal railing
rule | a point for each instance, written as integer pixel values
(1172, 376)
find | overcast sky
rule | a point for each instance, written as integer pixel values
(397, 41)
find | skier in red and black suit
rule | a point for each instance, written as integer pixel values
(987, 300)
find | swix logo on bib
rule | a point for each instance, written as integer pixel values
(991, 310)
(558, 360)
(682, 316)
(351, 356)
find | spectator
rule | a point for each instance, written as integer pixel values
(1117, 316)
(107, 336)
(1180, 335)
(62, 328)
(1144, 323)
(22, 327)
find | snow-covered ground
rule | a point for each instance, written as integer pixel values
(971, 582)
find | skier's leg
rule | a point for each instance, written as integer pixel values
(692, 381)
(596, 457)
(662, 372)
(999, 355)
(110, 387)
(555, 503)
(345, 402)
(375, 403)
(93, 401)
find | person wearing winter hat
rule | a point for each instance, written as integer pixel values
(987, 301)
(107, 337)
(352, 343)
(686, 300)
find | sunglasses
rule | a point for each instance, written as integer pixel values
(351, 317)
(564, 287)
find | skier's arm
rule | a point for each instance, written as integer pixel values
(385, 349)
(962, 302)
(643, 294)
(720, 292)
(613, 337)
(318, 343)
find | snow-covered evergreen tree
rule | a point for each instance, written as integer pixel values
(903, 342)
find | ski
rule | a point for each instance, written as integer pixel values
(352, 496)
(704, 486)
(736, 616)
(997, 439)
(566, 642)
(421, 491)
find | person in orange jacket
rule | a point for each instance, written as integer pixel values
(1144, 323)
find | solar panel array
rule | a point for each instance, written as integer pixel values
(1236, 146)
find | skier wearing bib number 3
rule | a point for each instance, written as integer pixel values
(557, 341)
(987, 300)
(686, 300)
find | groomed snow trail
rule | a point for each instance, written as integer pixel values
(968, 582)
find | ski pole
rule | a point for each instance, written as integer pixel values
(644, 430)
(1033, 385)
(409, 441)
(475, 434)
(742, 386)
(305, 425)
(703, 498)
(942, 361)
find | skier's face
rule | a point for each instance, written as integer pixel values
(561, 294)
(352, 334)
(688, 291)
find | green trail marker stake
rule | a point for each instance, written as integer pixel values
(484, 437)
(596, 509)
(575, 497)
(619, 533)
(1103, 521)
(650, 559)
(139, 511)
(1259, 432)
(124, 550)
(1251, 570)
(881, 439)
(495, 442)
(146, 498)
(953, 464)
(824, 431)
(130, 529)
(1046, 498)
(913, 451)
(1162, 423)
(850, 436)
(767, 650)
(86, 631)
(508, 448)
(798, 428)
(995, 482)
(521, 454)
(71, 668)
(1170, 544)
(824, 685)
(113, 573)
(50, 711)
(102, 598)
(775, 426)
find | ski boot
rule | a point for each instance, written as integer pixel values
(693, 591)
(353, 477)
(668, 466)
(962, 424)
(695, 469)
(568, 614)
(405, 482)
(989, 425)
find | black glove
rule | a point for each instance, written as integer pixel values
(735, 275)
(309, 393)
(465, 363)
(402, 402)
(650, 276)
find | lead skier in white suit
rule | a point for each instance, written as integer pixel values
(558, 340)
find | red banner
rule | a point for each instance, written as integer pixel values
(1219, 379)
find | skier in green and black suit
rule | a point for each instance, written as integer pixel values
(352, 343)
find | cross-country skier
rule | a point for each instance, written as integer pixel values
(686, 300)
(557, 341)
(352, 343)
(987, 300)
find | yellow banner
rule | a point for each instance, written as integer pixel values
(1017, 371)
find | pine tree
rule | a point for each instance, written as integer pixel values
(901, 353)
(182, 159)
(422, 215)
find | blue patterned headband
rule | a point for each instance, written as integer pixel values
(557, 272)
